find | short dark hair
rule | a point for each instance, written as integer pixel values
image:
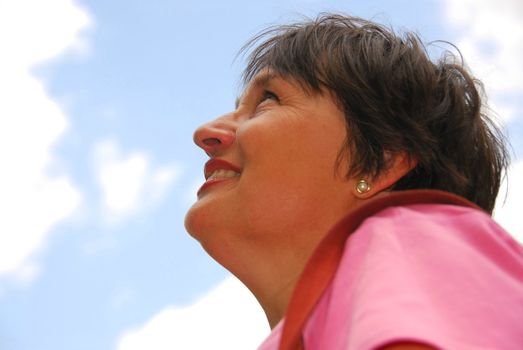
(395, 99)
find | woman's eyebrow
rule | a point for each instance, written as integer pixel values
(258, 81)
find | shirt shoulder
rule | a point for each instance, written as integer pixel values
(422, 230)
(433, 273)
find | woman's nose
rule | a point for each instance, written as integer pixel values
(216, 136)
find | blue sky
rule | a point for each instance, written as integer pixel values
(98, 102)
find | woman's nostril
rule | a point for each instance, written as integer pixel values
(211, 141)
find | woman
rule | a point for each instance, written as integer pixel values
(350, 191)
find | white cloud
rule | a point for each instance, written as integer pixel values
(34, 31)
(508, 212)
(32, 201)
(128, 182)
(228, 317)
(490, 36)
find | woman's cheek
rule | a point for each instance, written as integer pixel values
(253, 137)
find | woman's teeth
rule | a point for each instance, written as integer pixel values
(222, 173)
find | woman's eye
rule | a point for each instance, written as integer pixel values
(264, 103)
(269, 95)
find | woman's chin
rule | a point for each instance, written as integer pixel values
(200, 219)
(191, 220)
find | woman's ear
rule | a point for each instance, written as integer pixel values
(397, 166)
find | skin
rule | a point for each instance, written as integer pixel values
(264, 224)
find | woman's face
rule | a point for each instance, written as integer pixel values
(275, 184)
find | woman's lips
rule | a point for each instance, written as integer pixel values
(212, 182)
(222, 170)
(215, 164)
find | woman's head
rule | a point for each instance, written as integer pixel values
(326, 104)
(395, 100)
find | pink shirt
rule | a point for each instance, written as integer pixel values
(443, 275)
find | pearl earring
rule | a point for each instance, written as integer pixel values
(362, 187)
